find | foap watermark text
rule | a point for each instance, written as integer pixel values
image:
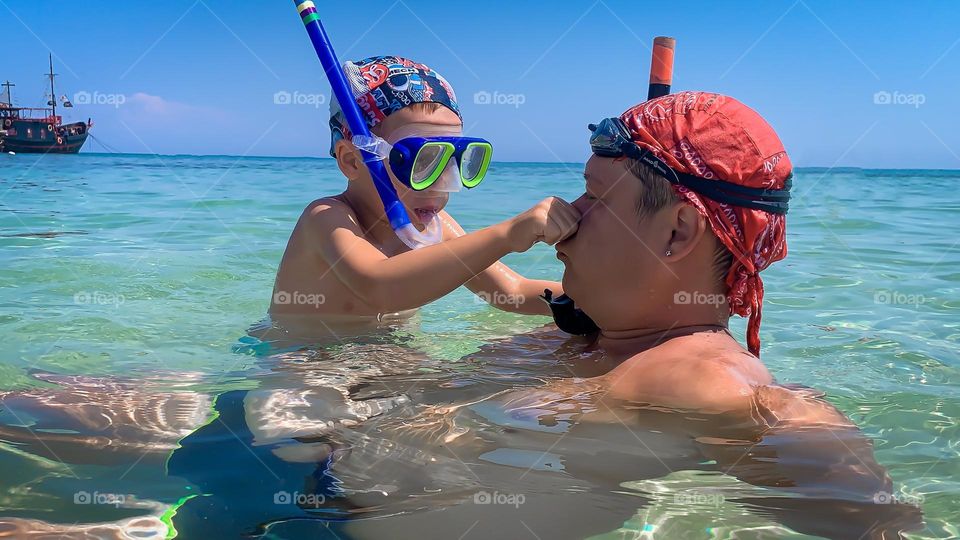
(99, 98)
(897, 298)
(284, 97)
(883, 497)
(499, 298)
(884, 97)
(497, 97)
(312, 500)
(510, 499)
(297, 298)
(696, 298)
(96, 497)
(98, 298)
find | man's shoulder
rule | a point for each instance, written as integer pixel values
(714, 382)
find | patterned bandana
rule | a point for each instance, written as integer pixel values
(385, 84)
(717, 137)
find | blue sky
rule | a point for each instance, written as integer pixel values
(199, 77)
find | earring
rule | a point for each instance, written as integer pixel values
(669, 253)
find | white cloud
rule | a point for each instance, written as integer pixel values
(158, 108)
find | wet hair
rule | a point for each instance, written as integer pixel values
(656, 193)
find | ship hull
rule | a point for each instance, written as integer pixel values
(71, 145)
(31, 137)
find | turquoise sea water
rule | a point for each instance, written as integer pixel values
(147, 267)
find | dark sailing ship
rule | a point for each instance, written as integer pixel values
(39, 130)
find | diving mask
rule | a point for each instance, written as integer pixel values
(611, 138)
(439, 163)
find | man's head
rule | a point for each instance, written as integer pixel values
(654, 253)
(399, 98)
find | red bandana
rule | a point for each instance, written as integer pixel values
(717, 137)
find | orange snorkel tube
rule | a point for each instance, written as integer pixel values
(661, 67)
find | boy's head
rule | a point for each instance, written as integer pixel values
(399, 98)
(655, 252)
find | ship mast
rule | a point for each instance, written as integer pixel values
(53, 94)
(7, 85)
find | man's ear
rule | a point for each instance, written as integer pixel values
(688, 228)
(349, 159)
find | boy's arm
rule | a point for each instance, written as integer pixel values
(414, 278)
(500, 286)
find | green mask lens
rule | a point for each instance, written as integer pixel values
(474, 163)
(429, 164)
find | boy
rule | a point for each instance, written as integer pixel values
(347, 264)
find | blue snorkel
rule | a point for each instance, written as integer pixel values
(396, 213)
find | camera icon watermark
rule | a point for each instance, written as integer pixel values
(496, 97)
(111, 499)
(303, 500)
(884, 97)
(297, 298)
(897, 298)
(284, 97)
(510, 499)
(98, 298)
(99, 98)
(695, 298)
(499, 298)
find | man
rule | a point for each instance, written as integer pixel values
(684, 206)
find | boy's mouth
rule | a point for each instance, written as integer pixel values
(426, 213)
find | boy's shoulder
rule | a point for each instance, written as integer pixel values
(328, 213)
(322, 220)
(334, 204)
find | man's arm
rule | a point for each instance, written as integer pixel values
(809, 448)
(414, 278)
(500, 286)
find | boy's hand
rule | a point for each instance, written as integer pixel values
(550, 221)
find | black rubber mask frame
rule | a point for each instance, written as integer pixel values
(611, 138)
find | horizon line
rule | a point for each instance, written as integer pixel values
(319, 158)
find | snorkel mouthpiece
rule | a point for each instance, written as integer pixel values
(567, 316)
(393, 208)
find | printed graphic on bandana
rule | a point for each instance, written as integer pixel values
(374, 74)
(393, 83)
